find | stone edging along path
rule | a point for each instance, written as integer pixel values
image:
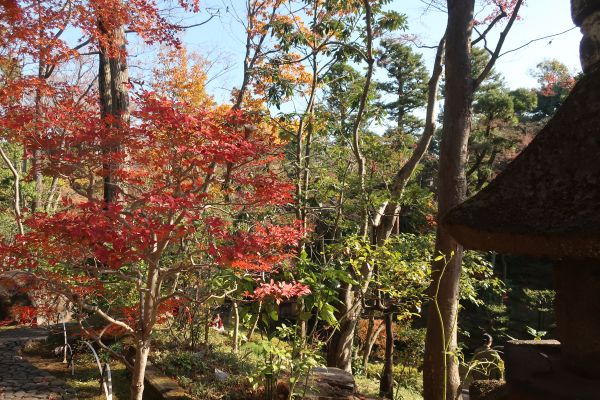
(19, 379)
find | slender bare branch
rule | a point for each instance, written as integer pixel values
(477, 82)
(537, 40)
(487, 30)
(356, 149)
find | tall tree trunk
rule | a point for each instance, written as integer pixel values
(17, 191)
(139, 369)
(386, 384)
(389, 220)
(391, 215)
(360, 115)
(36, 162)
(119, 82)
(149, 303)
(104, 84)
(303, 160)
(340, 349)
(51, 193)
(440, 375)
(113, 78)
(370, 341)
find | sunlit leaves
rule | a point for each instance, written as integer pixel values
(186, 174)
(279, 291)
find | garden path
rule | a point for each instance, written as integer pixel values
(19, 379)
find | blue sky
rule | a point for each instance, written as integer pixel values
(539, 18)
(222, 39)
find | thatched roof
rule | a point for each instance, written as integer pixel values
(547, 201)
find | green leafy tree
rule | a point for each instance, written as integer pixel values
(407, 84)
(541, 301)
(555, 82)
(343, 91)
(491, 135)
(524, 101)
(400, 278)
(482, 294)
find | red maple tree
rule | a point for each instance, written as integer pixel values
(191, 187)
(196, 188)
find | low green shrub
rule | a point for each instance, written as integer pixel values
(181, 363)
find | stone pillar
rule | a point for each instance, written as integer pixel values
(577, 311)
(586, 15)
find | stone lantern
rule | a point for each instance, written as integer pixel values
(547, 204)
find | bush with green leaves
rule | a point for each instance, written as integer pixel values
(540, 301)
(181, 363)
(283, 355)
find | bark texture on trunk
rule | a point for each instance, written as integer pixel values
(370, 340)
(386, 384)
(440, 375)
(339, 350)
(113, 80)
(391, 215)
(17, 191)
(36, 161)
(385, 225)
(139, 369)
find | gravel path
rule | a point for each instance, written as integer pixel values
(21, 380)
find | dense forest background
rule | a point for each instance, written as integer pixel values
(304, 208)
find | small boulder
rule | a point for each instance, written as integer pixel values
(330, 384)
(221, 376)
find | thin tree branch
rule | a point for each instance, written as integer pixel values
(17, 194)
(79, 46)
(537, 40)
(404, 174)
(499, 45)
(183, 27)
(358, 155)
(490, 27)
(104, 316)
